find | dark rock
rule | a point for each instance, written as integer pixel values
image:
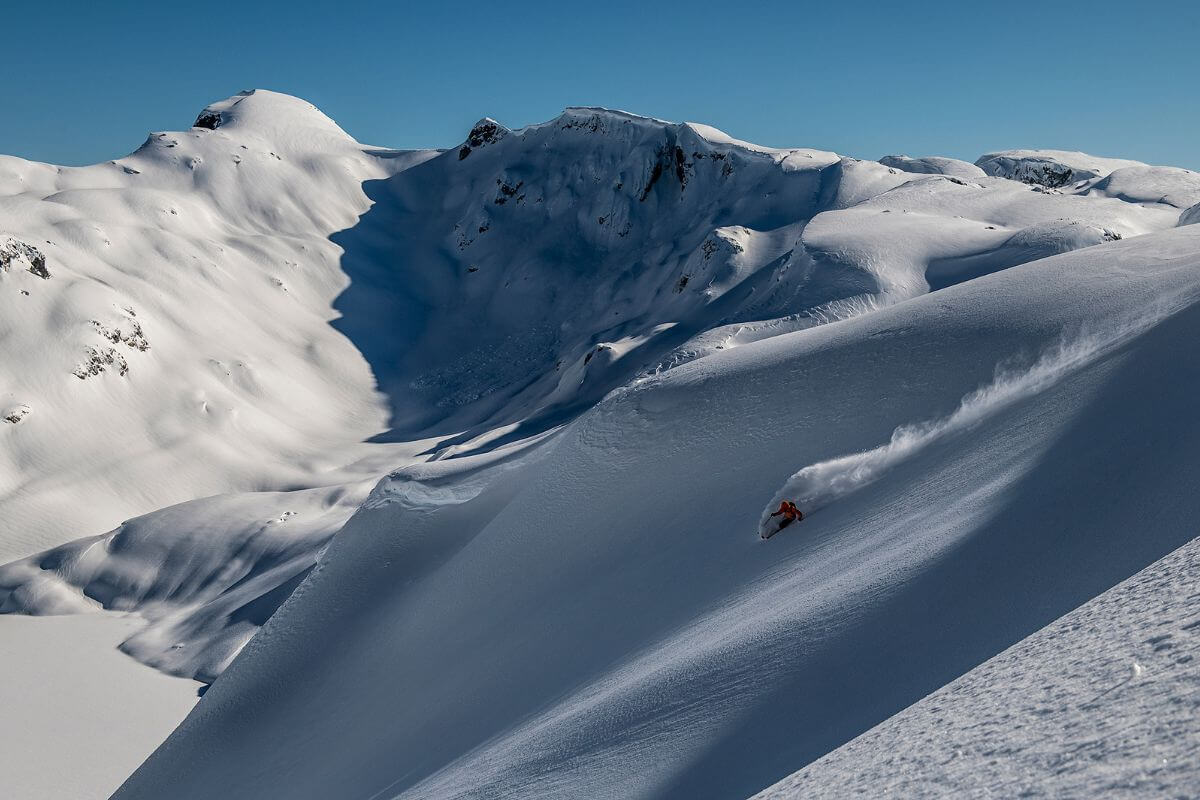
(12, 250)
(208, 119)
(485, 132)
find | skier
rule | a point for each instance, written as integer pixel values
(790, 514)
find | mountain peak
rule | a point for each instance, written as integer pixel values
(486, 131)
(273, 114)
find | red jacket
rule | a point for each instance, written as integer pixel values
(789, 510)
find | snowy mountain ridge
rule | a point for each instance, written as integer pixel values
(513, 389)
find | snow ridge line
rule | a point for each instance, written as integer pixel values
(817, 485)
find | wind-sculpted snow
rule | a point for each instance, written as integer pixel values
(818, 485)
(205, 574)
(1190, 216)
(1170, 186)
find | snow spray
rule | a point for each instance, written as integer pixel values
(820, 484)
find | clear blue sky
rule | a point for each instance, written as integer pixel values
(85, 81)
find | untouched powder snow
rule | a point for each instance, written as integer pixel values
(1169, 186)
(205, 573)
(1102, 703)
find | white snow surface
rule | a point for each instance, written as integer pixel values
(1101, 703)
(933, 165)
(480, 439)
(1169, 186)
(181, 346)
(78, 716)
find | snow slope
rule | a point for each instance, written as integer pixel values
(501, 421)
(558, 262)
(598, 617)
(1102, 703)
(180, 346)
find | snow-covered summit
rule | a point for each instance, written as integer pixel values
(605, 232)
(192, 284)
(598, 229)
(272, 115)
(1050, 168)
(597, 119)
(934, 165)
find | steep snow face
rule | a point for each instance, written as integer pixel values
(598, 617)
(1050, 168)
(934, 165)
(564, 259)
(164, 320)
(560, 260)
(1191, 216)
(1114, 682)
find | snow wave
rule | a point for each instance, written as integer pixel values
(817, 485)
